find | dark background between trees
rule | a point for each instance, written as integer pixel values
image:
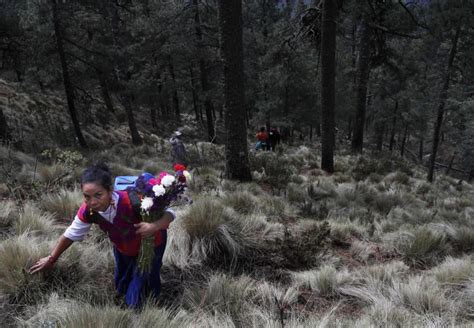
(380, 75)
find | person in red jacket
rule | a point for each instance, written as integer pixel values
(115, 214)
(262, 139)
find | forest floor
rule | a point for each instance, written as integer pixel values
(372, 245)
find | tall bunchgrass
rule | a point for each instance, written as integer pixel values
(222, 295)
(7, 212)
(17, 254)
(454, 271)
(324, 282)
(33, 220)
(63, 204)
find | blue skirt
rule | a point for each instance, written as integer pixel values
(134, 285)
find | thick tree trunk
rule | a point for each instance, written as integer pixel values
(404, 140)
(154, 122)
(4, 129)
(442, 101)
(66, 79)
(236, 149)
(204, 79)
(175, 91)
(194, 96)
(105, 92)
(379, 134)
(363, 71)
(420, 151)
(127, 104)
(328, 77)
(394, 126)
(121, 68)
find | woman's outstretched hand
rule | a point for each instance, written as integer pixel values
(42, 264)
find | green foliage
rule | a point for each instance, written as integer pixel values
(276, 169)
(366, 165)
(425, 247)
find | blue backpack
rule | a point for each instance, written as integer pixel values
(122, 182)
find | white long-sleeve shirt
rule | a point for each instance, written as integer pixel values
(78, 228)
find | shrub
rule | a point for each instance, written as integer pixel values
(278, 169)
(365, 165)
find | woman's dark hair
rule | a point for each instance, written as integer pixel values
(98, 173)
(262, 129)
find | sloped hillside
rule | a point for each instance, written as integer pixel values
(371, 244)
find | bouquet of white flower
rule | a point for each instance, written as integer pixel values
(158, 194)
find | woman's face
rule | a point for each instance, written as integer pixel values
(96, 196)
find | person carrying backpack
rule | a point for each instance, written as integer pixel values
(273, 138)
(117, 214)
(178, 151)
(262, 139)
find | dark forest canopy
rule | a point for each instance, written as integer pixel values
(403, 69)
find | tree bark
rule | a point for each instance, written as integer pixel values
(66, 79)
(379, 134)
(328, 77)
(394, 126)
(4, 129)
(442, 101)
(420, 151)
(404, 140)
(363, 71)
(175, 91)
(450, 165)
(208, 106)
(194, 95)
(105, 92)
(236, 148)
(121, 68)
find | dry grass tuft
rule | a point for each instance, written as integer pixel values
(63, 204)
(33, 220)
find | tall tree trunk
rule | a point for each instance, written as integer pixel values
(66, 79)
(420, 151)
(175, 91)
(127, 101)
(328, 77)
(105, 92)
(363, 71)
(379, 134)
(442, 101)
(204, 79)
(154, 123)
(236, 150)
(451, 161)
(394, 126)
(4, 129)
(194, 95)
(404, 140)
(122, 76)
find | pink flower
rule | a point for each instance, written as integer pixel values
(154, 181)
